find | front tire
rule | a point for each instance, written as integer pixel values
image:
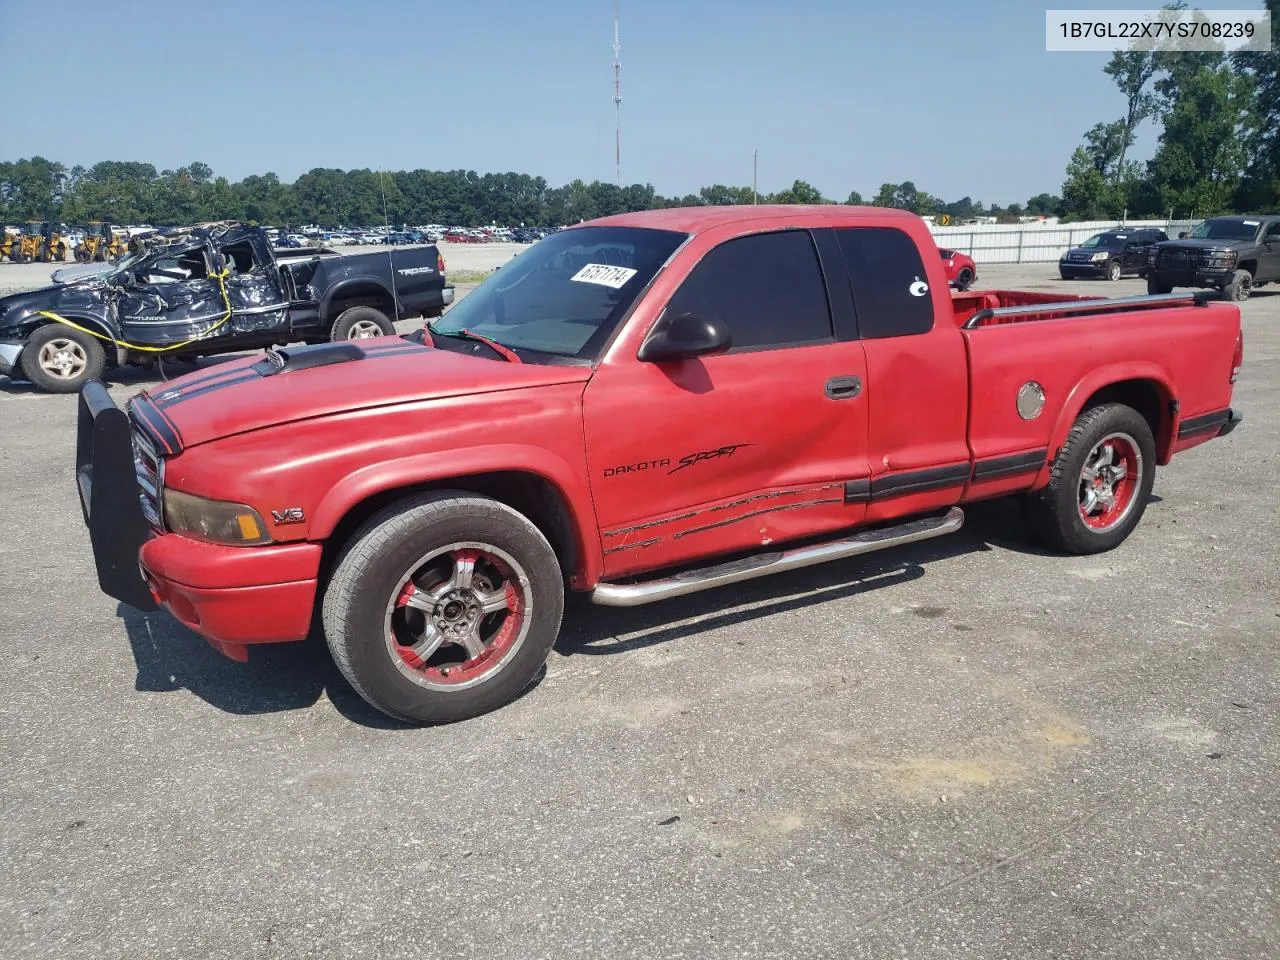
(1155, 287)
(1113, 271)
(361, 323)
(964, 279)
(1240, 287)
(83, 255)
(60, 359)
(1099, 483)
(443, 607)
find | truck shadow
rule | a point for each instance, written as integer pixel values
(601, 631)
(295, 676)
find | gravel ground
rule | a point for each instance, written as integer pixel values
(967, 748)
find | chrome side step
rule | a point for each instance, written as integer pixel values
(763, 564)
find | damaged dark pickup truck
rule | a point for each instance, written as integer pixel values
(214, 288)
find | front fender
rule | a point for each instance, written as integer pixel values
(1090, 384)
(372, 480)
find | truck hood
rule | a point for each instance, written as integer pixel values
(18, 311)
(1190, 244)
(302, 383)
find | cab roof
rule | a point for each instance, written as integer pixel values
(697, 219)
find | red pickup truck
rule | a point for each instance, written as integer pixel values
(638, 407)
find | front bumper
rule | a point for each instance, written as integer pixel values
(10, 356)
(1082, 269)
(224, 605)
(232, 596)
(1193, 278)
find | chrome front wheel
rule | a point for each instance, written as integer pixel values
(458, 615)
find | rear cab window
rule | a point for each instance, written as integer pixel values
(889, 283)
(767, 288)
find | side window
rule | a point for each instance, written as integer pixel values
(767, 288)
(1273, 231)
(890, 287)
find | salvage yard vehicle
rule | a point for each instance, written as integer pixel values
(1230, 254)
(214, 288)
(100, 243)
(961, 270)
(637, 408)
(39, 240)
(1111, 254)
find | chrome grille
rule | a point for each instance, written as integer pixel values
(149, 469)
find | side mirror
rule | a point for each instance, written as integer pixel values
(1182, 235)
(683, 337)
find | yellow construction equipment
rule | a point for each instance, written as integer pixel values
(100, 242)
(40, 240)
(7, 242)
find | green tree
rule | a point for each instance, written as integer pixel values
(854, 199)
(1200, 161)
(884, 197)
(1085, 193)
(798, 192)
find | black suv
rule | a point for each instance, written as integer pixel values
(1233, 254)
(1111, 254)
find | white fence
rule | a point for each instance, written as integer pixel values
(1036, 242)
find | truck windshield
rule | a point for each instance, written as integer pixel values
(1104, 240)
(1225, 230)
(566, 293)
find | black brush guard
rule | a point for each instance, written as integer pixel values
(109, 500)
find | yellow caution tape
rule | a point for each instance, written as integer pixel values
(226, 302)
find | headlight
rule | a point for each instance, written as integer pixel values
(213, 520)
(1099, 256)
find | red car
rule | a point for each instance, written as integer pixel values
(961, 270)
(635, 408)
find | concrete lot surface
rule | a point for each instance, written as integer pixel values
(965, 749)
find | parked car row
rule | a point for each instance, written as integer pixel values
(1232, 254)
(432, 233)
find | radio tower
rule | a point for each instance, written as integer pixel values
(617, 97)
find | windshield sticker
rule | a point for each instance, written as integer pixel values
(919, 288)
(1122, 236)
(1252, 223)
(604, 275)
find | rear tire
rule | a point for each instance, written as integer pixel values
(60, 359)
(1155, 287)
(1099, 482)
(361, 323)
(18, 256)
(83, 255)
(403, 584)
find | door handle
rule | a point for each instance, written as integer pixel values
(843, 388)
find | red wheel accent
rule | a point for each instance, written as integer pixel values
(457, 615)
(1109, 481)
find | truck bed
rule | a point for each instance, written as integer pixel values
(1172, 358)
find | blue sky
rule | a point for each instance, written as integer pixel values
(960, 98)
